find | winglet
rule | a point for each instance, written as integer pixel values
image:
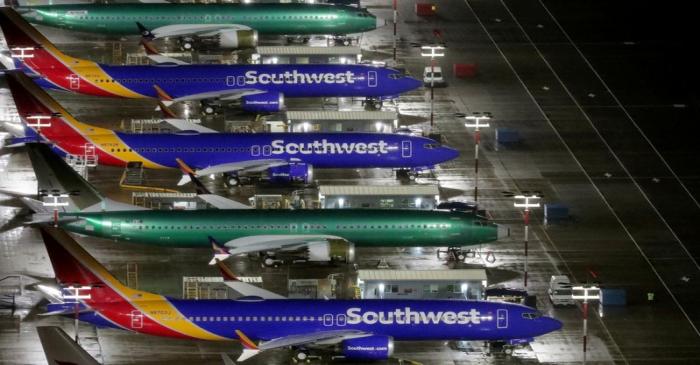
(167, 112)
(226, 273)
(163, 96)
(145, 32)
(188, 172)
(220, 253)
(247, 354)
(250, 349)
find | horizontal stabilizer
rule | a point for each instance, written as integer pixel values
(61, 349)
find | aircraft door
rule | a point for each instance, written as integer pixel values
(230, 80)
(267, 150)
(340, 319)
(116, 227)
(74, 81)
(372, 78)
(240, 80)
(255, 150)
(136, 319)
(406, 149)
(502, 318)
(327, 319)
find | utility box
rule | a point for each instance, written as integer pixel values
(555, 212)
(425, 9)
(464, 70)
(507, 135)
(613, 297)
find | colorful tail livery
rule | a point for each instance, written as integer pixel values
(362, 329)
(260, 88)
(280, 157)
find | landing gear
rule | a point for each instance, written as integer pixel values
(406, 175)
(373, 104)
(187, 44)
(269, 260)
(455, 254)
(232, 181)
(301, 355)
(209, 109)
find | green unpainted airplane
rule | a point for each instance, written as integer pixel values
(318, 235)
(229, 26)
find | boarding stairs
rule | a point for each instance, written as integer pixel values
(133, 174)
(81, 163)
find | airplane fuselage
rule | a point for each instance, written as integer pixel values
(286, 19)
(362, 227)
(403, 320)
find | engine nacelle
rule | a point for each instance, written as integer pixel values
(300, 173)
(263, 102)
(237, 39)
(368, 348)
(335, 250)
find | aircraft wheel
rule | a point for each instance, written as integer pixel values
(208, 110)
(346, 42)
(232, 181)
(301, 355)
(412, 177)
(461, 256)
(508, 350)
(187, 45)
(269, 261)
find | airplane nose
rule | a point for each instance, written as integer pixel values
(503, 232)
(550, 324)
(450, 153)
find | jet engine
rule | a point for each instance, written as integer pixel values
(292, 173)
(334, 250)
(263, 103)
(237, 39)
(368, 348)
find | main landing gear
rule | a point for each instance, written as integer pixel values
(406, 175)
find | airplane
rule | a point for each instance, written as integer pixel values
(284, 157)
(259, 88)
(361, 329)
(229, 26)
(321, 235)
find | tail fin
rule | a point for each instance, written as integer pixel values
(74, 266)
(220, 253)
(61, 349)
(30, 47)
(40, 112)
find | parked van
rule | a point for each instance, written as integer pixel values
(560, 290)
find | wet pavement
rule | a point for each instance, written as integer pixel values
(588, 139)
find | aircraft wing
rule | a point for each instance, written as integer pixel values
(260, 243)
(259, 165)
(321, 338)
(224, 95)
(199, 30)
(219, 202)
(186, 125)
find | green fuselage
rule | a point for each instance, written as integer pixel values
(120, 19)
(363, 227)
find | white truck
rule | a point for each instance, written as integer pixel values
(560, 290)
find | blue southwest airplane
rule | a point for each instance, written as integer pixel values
(286, 157)
(260, 88)
(363, 329)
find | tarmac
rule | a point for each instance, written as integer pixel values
(574, 83)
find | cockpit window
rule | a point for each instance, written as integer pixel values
(531, 315)
(396, 76)
(431, 146)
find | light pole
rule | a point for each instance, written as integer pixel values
(395, 19)
(585, 293)
(527, 202)
(476, 124)
(432, 52)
